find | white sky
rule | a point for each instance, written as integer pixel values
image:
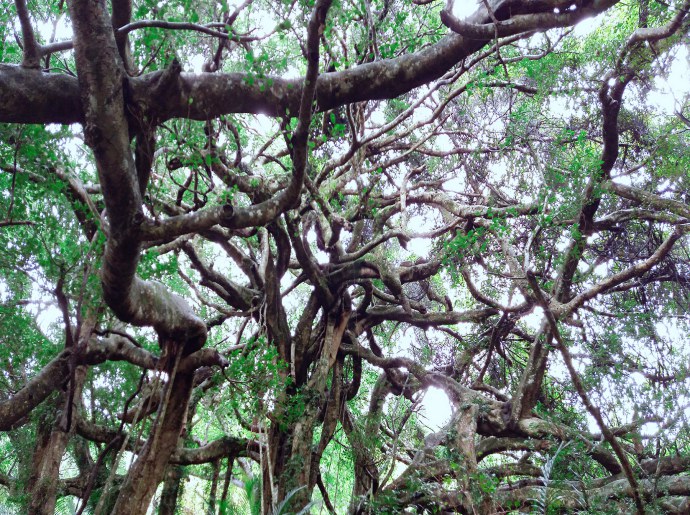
(436, 409)
(464, 8)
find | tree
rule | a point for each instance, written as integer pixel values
(255, 271)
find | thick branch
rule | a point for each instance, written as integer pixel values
(102, 83)
(49, 379)
(548, 15)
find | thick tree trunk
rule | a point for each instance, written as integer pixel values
(45, 467)
(290, 464)
(145, 474)
(291, 468)
(50, 447)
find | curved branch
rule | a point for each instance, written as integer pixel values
(550, 15)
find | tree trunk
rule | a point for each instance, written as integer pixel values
(292, 465)
(50, 447)
(172, 487)
(365, 470)
(45, 467)
(223, 507)
(144, 476)
(214, 488)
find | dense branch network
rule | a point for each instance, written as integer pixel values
(290, 264)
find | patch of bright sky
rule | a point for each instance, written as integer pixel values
(464, 8)
(321, 257)
(221, 262)
(44, 309)
(444, 143)
(669, 328)
(422, 113)
(588, 25)
(294, 301)
(292, 72)
(499, 171)
(436, 408)
(455, 185)
(670, 90)
(420, 247)
(262, 124)
(377, 117)
(562, 106)
(534, 320)
(197, 63)
(63, 29)
(602, 269)
(562, 243)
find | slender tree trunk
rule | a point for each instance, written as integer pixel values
(223, 507)
(214, 488)
(273, 466)
(366, 473)
(172, 487)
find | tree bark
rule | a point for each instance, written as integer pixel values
(144, 476)
(172, 487)
(50, 447)
(45, 465)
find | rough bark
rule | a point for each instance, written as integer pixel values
(147, 471)
(50, 447)
(172, 488)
